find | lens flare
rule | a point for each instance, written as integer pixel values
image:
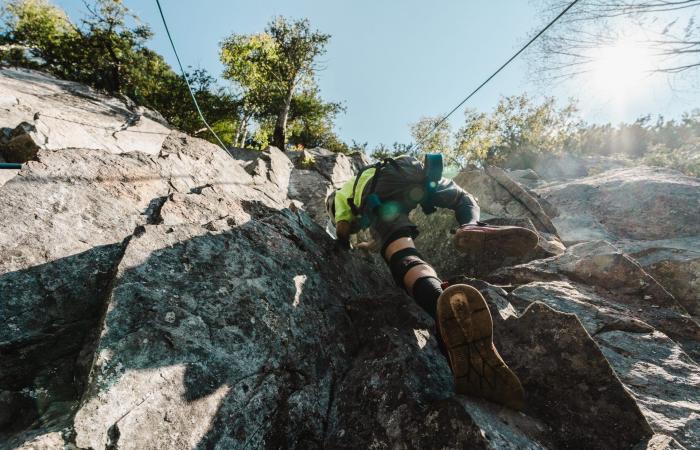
(622, 69)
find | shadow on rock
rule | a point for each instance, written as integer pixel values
(50, 313)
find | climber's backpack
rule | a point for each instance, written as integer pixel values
(432, 173)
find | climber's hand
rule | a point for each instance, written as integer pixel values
(368, 245)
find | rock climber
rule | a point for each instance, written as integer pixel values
(380, 197)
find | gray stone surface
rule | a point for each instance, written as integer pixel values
(640, 203)
(581, 392)
(318, 172)
(62, 114)
(645, 359)
(66, 220)
(435, 243)
(157, 292)
(495, 200)
(620, 281)
(675, 263)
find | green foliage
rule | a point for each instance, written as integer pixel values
(107, 51)
(275, 73)
(685, 158)
(517, 132)
(311, 122)
(307, 161)
(35, 29)
(382, 151)
(103, 50)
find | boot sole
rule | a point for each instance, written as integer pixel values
(467, 330)
(503, 242)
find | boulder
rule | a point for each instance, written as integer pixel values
(307, 176)
(645, 359)
(675, 263)
(640, 203)
(549, 345)
(545, 344)
(235, 313)
(66, 220)
(317, 172)
(435, 242)
(568, 166)
(498, 195)
(648, 212)
(526, 177)
(52, 114)
(620, 281)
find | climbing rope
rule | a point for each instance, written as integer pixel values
(418, 144)
(184, 75)
(441, 121)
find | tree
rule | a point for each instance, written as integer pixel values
(107, 50)
(569, 48)
(311, 122)
(172, 99)
(273, 66)
(381, 151)
(35, 34)
(516, 132)
(103, 50)
(431, 139)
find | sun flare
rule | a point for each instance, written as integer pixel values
(622, 69)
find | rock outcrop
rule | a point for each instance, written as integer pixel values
(650, 213)
(316, 173)
(170, 294)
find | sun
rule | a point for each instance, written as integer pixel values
(621, 69)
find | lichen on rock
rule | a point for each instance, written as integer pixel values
(157, 291)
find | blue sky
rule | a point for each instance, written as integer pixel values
(392, 62)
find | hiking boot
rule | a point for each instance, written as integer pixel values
(482, 240)
(467, 331)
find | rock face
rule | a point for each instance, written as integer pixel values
(40, 112)
(651, 213)
(316, 173)
(307, 176)
(186, 297)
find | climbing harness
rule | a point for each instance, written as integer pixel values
(10, 166)
(367, 211)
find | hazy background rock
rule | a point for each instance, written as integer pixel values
(649, 212)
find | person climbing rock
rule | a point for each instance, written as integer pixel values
(380, 198)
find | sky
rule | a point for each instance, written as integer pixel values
(391, 62)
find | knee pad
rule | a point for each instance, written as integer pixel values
(403, 261)
(426, 292)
